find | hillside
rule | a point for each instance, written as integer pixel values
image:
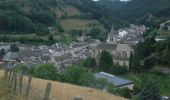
(63, 91)
(29, 16)
(136, 11)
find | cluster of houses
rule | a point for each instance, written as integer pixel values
(61, 55)
(118, 43)
(165, 25)
(129, 35)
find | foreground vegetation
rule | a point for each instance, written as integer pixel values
(161, 80)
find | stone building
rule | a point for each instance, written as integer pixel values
(120, 52)
(112, 37)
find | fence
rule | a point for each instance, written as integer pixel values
(24, 90)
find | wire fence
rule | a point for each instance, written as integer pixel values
(21, 86)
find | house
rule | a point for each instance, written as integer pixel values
(5, 46)
(11, 56)
(123, 34)
(165, 24)
(120, 52)
(10, 59)
(116, 81)
(161, 38)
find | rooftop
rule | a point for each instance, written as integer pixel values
(106, 46)
(116, 81)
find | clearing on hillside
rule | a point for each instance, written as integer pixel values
(79, 24)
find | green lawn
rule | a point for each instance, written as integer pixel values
(163, 81)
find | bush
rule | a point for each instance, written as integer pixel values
(89, 62)
(119, 69)
(125, 92)
(77, 75)
(46, 71)
(148, 63)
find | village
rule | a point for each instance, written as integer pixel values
(119, 44)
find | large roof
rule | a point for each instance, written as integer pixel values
(124, 47)
(105, 46)
(116, 81)
(11, 56)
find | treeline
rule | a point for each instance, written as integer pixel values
(150, 53)
(136, 11)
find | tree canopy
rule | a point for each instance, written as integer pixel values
(105, 61)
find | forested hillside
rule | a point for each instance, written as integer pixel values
(137, 11)
(30, 16)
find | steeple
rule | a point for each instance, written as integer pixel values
(112, 29)
(112, 36)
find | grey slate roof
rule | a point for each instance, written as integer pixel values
(11, 56)
(116, 81)
(105, 46)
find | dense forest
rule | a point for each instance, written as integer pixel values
(137, 11)
(30, 16)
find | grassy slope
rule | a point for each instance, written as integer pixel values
(69, 24)
(63, 91)
(5, 93)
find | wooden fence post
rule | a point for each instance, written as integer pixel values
(9, 78)
(29, 86)
(5, 74)
(12, 79)
(15, 82)
(47, 91)
(20, 82)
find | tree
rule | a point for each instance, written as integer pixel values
(2, 53)
(14, 48)
(89, 62)
(94, 33)
(87, 79)
(134, 62)
(150, 91)
(149, 62)
(51, 38)
(46, 71)
(73, 74)
(117, 69)
(105, 61)
(77, 75)
(131, 61)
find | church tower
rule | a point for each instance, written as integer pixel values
(112, 36)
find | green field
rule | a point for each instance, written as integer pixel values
(69, 24)
(163, 81)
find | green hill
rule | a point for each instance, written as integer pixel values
(137, 11)
(30, 16)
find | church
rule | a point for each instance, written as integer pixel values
(120, 51)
